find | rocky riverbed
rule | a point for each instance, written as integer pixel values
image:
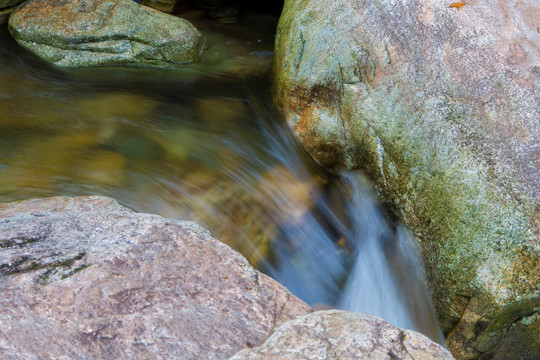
(435, 102)
(85, 278)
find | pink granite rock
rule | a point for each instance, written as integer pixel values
(344, 335)
(85, 278)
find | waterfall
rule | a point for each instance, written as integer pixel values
(379, 272)
(387, 279)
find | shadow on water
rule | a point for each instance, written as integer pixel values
(205, 143)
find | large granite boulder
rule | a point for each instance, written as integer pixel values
(439, 106)
(85, 278)
(338, 334)
(103, 32)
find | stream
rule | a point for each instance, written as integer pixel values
(205, 143)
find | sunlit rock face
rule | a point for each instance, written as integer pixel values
(439, 106)
(104, 32)
(344, 335)
(87, 278)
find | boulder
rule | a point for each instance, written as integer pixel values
(338, 334)
(85, 278)
(439, 106)
(104, 32)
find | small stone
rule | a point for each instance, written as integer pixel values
(102, 167)
(293, 196)
(183, 143)
(135, 147)
(232, 212)
(110, 106)
(220, 113)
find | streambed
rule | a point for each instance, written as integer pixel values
(205, 143)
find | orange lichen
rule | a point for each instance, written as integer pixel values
(457, 5)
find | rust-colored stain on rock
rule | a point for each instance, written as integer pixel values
(457, 5)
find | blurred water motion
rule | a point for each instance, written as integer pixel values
(387, 279)
(205, 144)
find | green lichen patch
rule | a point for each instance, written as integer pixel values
(47, 269)
(18, 241)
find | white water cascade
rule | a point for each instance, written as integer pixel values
(387, 279)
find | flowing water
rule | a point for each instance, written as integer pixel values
(387, 279)
(204, 143)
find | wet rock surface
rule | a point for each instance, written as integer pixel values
(104, 32)
(87, 278)
(439, 107)
(343, 335)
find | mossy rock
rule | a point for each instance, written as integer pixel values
(445, 124)
(104, 32)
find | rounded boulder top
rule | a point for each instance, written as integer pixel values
(104, 32)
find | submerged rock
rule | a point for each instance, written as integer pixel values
(4, 4)
(102, 167)
(6, 8)
(87, 278)
(5, 14)
(440, 108)
(161, 5)
(344, 335)
(103, 32)
(231, 210)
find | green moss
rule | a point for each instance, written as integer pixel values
(61, 267)
(468, 230)
(74, 271)
(515, 311)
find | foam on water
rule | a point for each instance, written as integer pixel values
(387, 279)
